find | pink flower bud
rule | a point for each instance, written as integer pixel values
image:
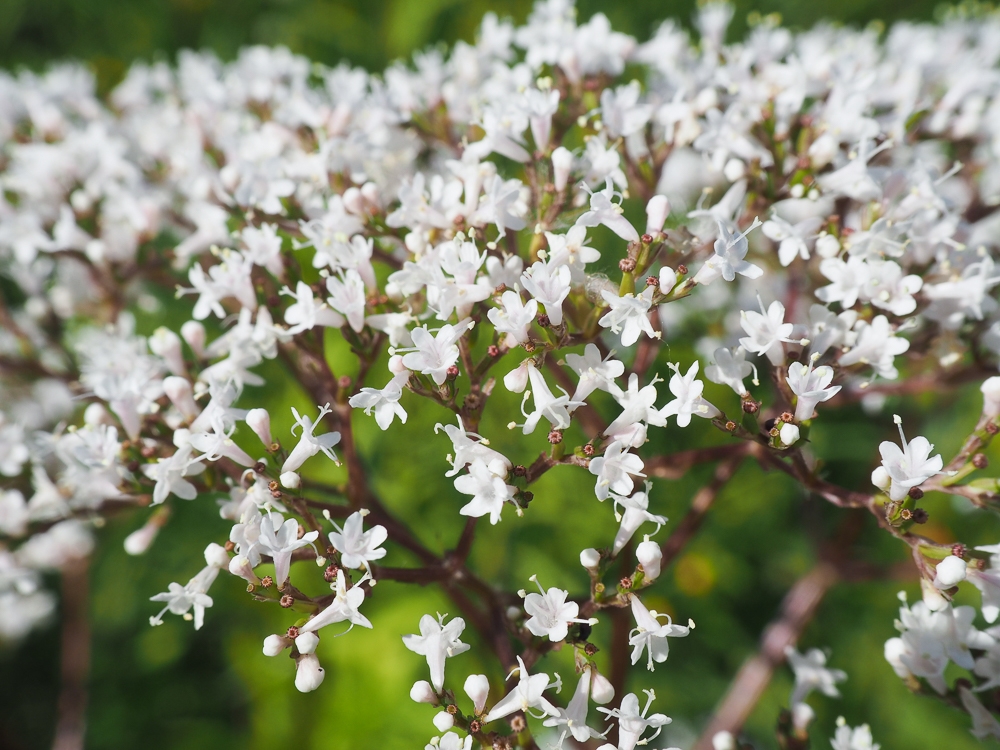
(657, 211)
(562, 164)
(193, 333)
(477, 687)
(308, 673)
(259, 421)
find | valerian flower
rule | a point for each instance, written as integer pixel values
(650, 635)
(905, 467)
(551, 614)
(527, 694)
(437, 641)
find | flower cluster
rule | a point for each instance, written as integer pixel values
(512, 216)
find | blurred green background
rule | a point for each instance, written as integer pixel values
(172, 688)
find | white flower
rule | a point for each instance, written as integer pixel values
(306, 313)
(437, 642)
(613, 469)
(347, 297)
(856, 738)
(169, 473)
(279, 538)
(730, 368)
(766, 330)
(433, 355)
(909, 466)
(573, 718)
(687, 397)
(527, 694)
(309, 445)
(811, 387)
(811, 673)
(551, 614)
(603, 210)
(555, 409)
(384, 401)
(635, 515)
(632, 723)
(343, 608)
(356, 546)
(730, 257)
(468, 450)
(793, 239)
(514, 318)
(549, 284)
(984, 724)
(629, 315)
(595, 373)
(651, 635)
(876, 344)
(488, 489)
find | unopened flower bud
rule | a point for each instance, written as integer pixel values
(723, 740)
(562, 164)
(308, 673)
(668, 279)
(827, 246)
(240, 566)
(371, 194)
(306, 643)
(179, 391)
(477, 687)
(802, 714)
(290, 479)
(788, 434)
(259, 421)
(139, 540)
(396, 365)
(881, 479)
(95, 414)
(444, 721)
(991, 396)
(950, 572)
(216, 556)
(193, 333)
(601, 689)
(590, 558)
(275, 644)
(422, 692)
(516, 380)
(354, 201)
(166, 344)
(649, 555)
(980, 461)
(657, 211)
(734, 170)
